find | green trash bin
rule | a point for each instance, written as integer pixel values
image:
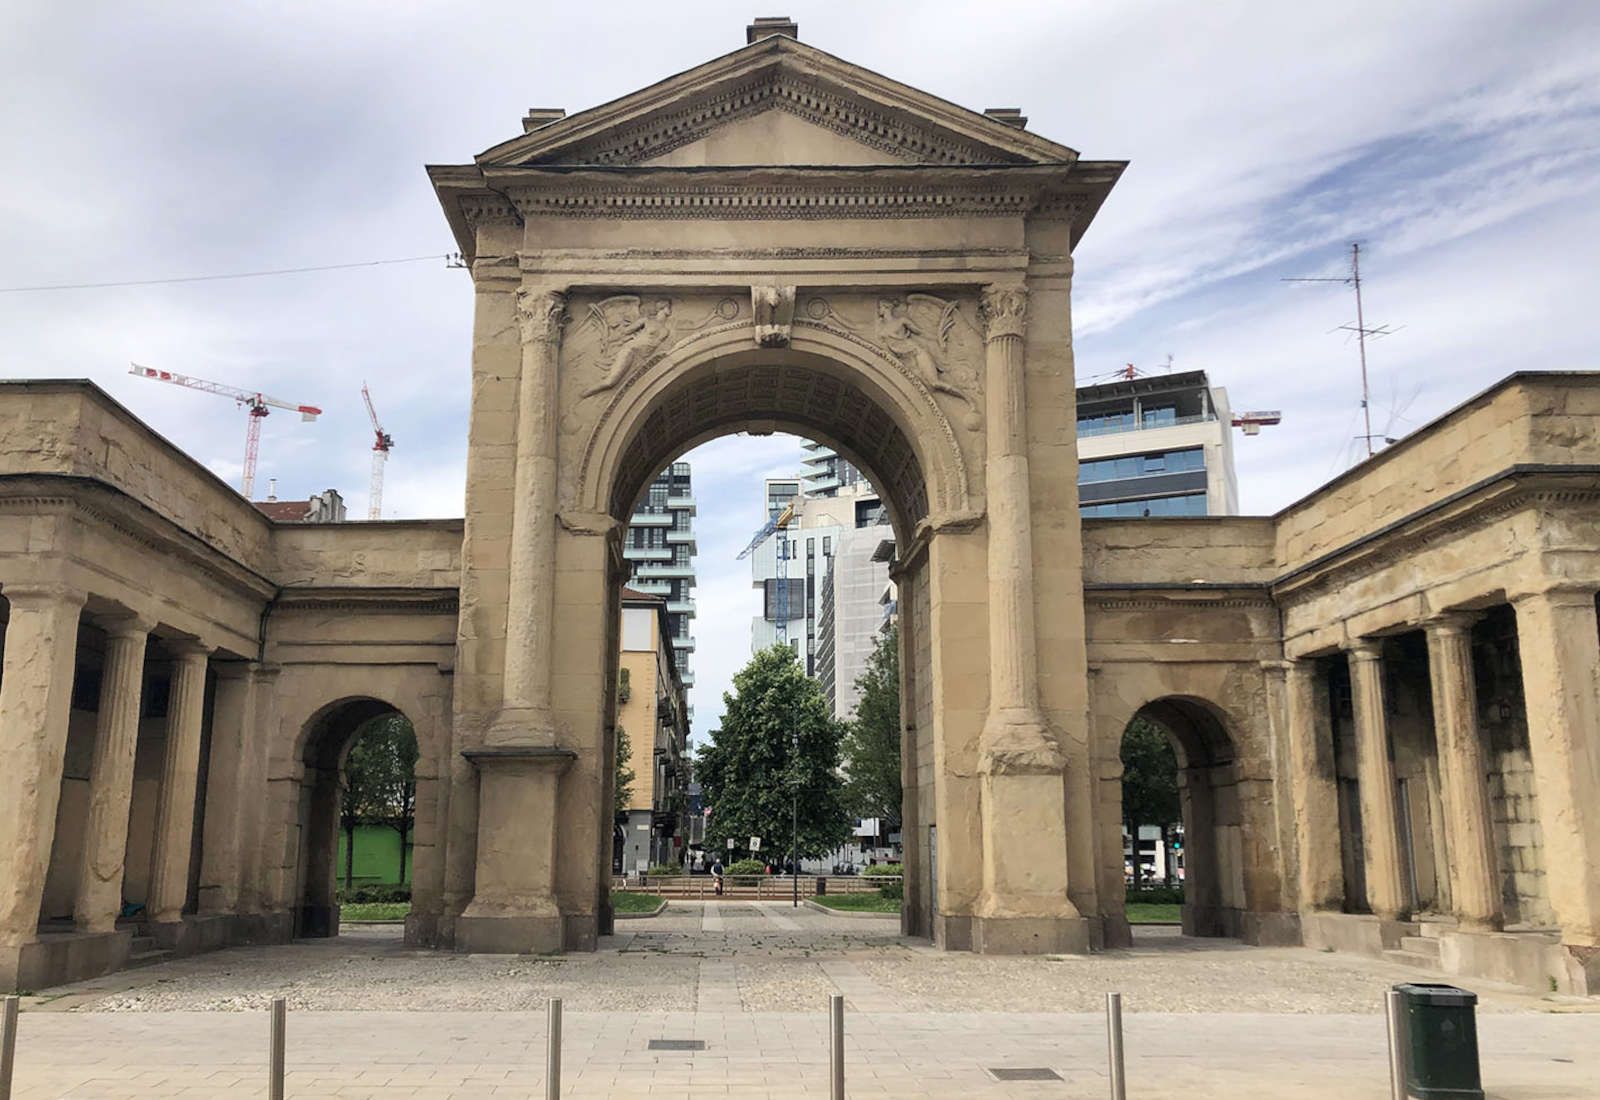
(1441, 1041)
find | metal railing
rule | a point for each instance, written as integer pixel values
(776, 887)
(1085, 430)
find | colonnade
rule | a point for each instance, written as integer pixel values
(1558, 638)
(36, 694)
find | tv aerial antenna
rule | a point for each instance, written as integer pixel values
(1360, 329)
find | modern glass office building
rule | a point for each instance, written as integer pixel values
(661, 549)
(1156, 446)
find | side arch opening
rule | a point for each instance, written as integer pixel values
(328, 812)
(1191, 789)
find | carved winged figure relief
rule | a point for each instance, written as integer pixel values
(628, 331)
(918, 329)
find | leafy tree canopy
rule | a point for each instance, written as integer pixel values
(1149, 777)
(872, 744)
(379, 772)
(751, 774)
(625, 775)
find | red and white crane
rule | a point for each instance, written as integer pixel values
(254, 404)
(380, 455)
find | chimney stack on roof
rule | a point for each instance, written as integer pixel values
(542, 116)
(765, 26)
(1011, 116)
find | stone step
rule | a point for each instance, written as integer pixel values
(141, 944)
(1420, 945)
(1433, 929)
(148, 958)
(1413, 958)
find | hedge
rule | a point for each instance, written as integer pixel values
(375, 892)
(1156, 895)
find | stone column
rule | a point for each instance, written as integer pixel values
(105, 833)
(1316, 794)
(1380, 827)
(1559, 641)
(180, 773)
(234, 787)
(525, 716)
(41, 643)
(1024, 905)
(1474, 884)
(513, 908)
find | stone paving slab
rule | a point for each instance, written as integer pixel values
(351, 1055)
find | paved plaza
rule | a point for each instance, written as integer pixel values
(369, 1017)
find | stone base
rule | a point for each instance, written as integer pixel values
(315, 922)
(1030, 935)
(1270, 929)
(511, 935)
(57, 958)
(1534, 960)
(422, 929)
(1357, 933)
(580, 932)
(195, 933)
(952, 933)
(1118, 932)
(259, 928)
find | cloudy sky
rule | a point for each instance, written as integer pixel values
(1458, 140)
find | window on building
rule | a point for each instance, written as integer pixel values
(1125, 466)
(1101, 421)
(1153, 416)
(827, 546)
(1185, 504)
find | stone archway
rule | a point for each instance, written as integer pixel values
(325, 745)
(1213, 877)
(897, 287)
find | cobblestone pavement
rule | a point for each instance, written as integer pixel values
(370, 1017)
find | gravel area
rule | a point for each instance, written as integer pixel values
(761, 959)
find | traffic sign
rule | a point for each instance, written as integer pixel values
(755, 844)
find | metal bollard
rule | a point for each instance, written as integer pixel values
(1397, 1073)
(8, 1044)
(1119, 1084)
(552, 1052)
(275, 1049)
(836, 1044)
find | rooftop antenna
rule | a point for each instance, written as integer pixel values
(1359, 328)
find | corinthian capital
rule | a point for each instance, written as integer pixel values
(1003, 308)
(539, 314)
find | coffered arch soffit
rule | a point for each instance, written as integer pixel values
(824, 386)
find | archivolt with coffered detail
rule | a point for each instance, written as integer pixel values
(829, 385)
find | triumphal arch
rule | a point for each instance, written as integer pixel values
(1385, 699)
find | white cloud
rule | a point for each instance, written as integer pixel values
(1456, 137)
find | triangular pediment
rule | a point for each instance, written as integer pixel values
(777, 102)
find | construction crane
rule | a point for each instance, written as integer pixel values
(778, 524)
(380, 455)
(254, 404)
(1253, 422)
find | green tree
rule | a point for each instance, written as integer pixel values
(1149, 783)
(380, 784)
(751, 775)
(625, 776)
(872, 743)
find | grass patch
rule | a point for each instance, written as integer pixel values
(374, 910)
(625, 901)
(859, 903)
(1144, 912)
